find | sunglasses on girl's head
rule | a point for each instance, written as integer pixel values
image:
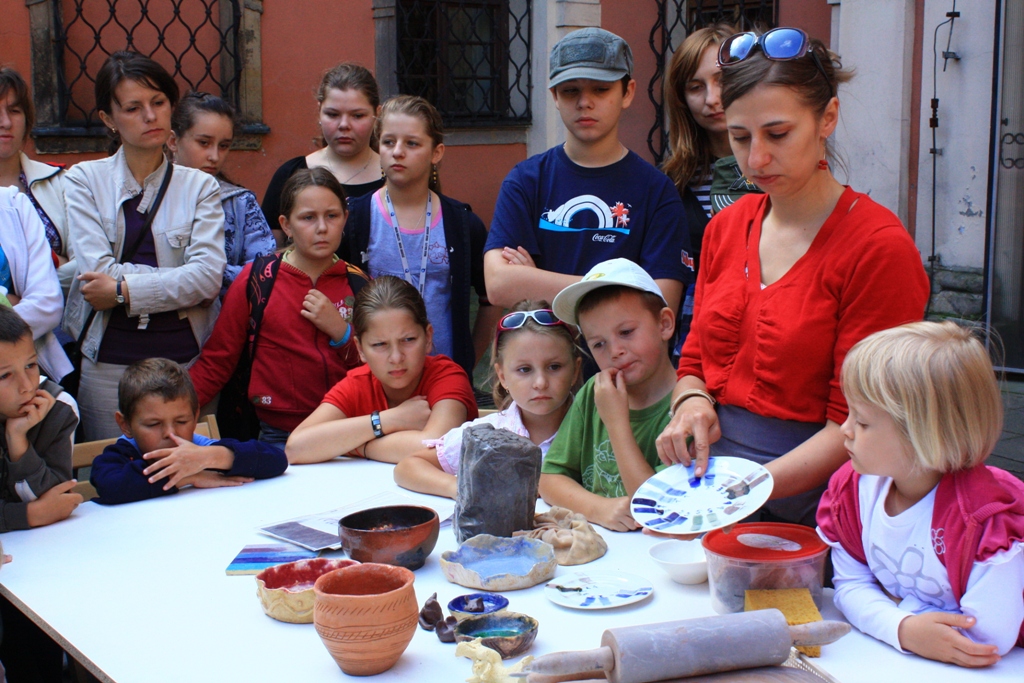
(516, 319)
(778, 44)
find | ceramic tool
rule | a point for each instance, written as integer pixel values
(692, 647)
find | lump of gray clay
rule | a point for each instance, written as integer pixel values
(498, 476)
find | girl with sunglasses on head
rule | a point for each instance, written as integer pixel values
(385, 409)
(789, 280)
(410, 230)
(536, 367)
(202, 128)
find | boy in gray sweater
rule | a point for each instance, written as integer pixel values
(36, 440)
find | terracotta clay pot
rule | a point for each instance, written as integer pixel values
(366, 615)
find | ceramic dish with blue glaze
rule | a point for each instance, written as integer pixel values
(494, 563)
(597, 590)
(674, 501)
(489, 603)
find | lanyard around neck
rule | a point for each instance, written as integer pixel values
(401, 247)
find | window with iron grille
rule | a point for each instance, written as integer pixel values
(676, 19)
(470, 58)
(206, 45)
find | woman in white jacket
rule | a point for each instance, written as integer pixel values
(154, 291)
(29, 279)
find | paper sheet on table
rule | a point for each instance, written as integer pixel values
(320, 531)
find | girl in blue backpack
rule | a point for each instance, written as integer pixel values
(926, 540)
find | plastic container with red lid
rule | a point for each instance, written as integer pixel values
(763, 556)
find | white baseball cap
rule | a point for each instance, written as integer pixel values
(618, 271)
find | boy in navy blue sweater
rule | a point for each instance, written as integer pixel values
(160, 451)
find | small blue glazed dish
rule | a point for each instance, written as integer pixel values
(509, 634)
(460, 607)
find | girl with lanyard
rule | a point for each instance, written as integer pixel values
(409, 230)
(148, 238)
(347, 106)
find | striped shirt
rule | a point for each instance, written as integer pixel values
(703, 194)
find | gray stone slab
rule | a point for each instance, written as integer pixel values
(1013, 421)
(1012, 401)
(1011, 447)
(1014, 467)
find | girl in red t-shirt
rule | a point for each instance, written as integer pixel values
(386, 408)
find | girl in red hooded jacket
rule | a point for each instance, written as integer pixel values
(304, 346)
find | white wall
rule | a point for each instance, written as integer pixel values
(876, 38)
(965, 120)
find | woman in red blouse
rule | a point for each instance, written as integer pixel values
(789, 280)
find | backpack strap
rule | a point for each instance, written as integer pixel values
(357, 279)
(257, 291)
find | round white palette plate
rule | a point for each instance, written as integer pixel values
(674, 501)
(597, 590)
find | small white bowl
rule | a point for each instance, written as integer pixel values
(684, 561)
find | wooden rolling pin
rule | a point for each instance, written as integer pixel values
(762, 674)
(692, 647)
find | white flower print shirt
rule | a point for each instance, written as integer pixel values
(904, 576)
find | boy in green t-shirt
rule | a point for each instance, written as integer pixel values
(605, 447)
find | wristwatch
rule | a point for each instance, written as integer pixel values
(119, 297)
(378, 431)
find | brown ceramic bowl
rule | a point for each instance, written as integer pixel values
(399, 535)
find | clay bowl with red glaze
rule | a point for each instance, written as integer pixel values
(399, 535)
(286, 590)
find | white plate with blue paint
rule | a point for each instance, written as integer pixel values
(674, 501)
(597, 590)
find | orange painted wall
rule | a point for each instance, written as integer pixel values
(294, 58)
(15, 48)
(813, 16)
(633, 21)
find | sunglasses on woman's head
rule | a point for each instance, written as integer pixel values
(541, 316)
(779, 44)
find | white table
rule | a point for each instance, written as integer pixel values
(138, 593)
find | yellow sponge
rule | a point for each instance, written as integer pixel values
(795, 603)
